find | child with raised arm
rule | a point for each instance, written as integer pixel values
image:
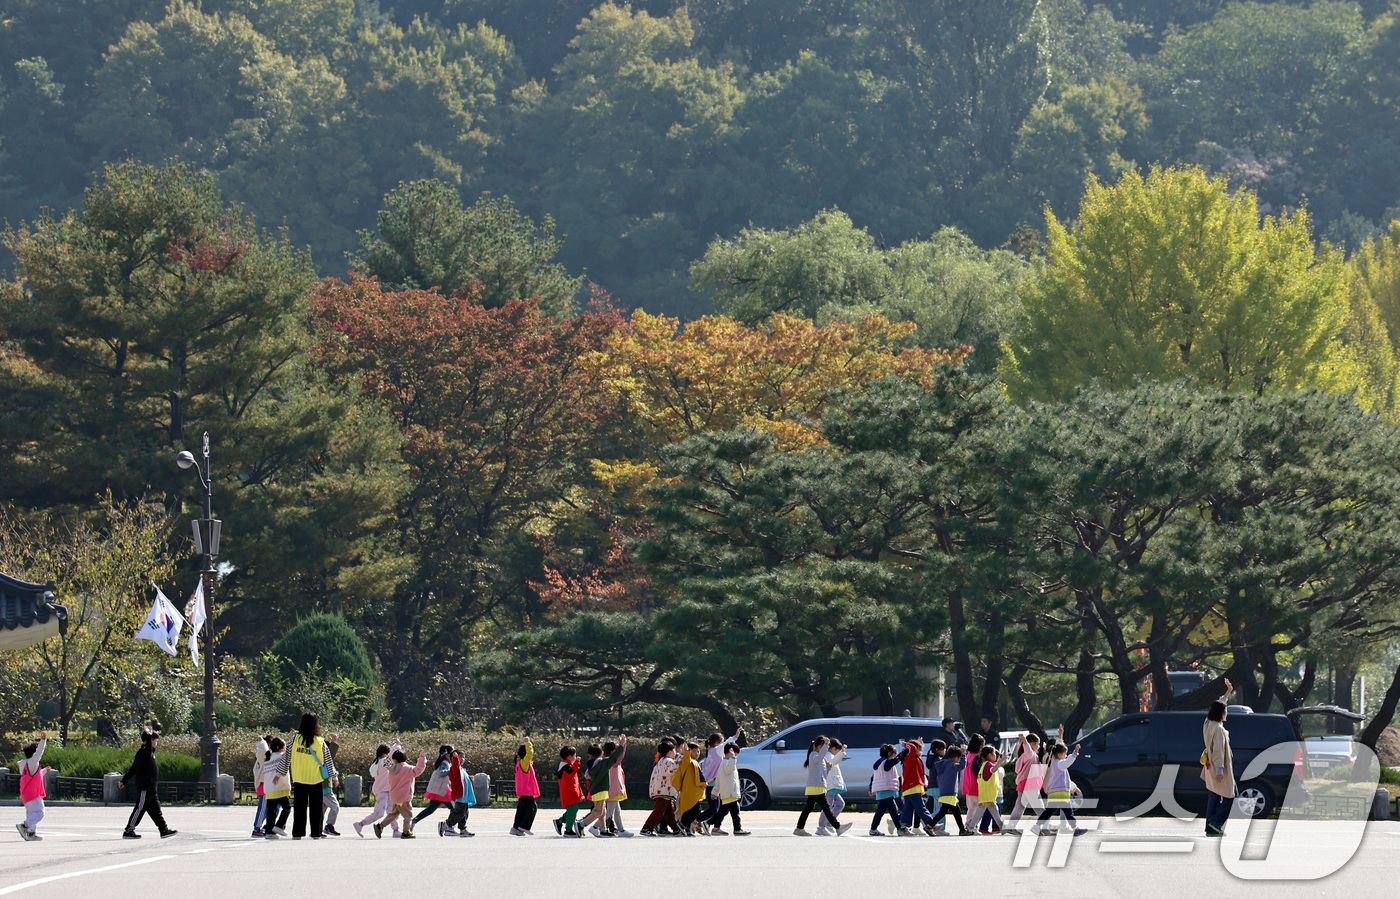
(379, 777)
(571, 797)
(915, 786)
(527, 790)
(617, 786)
(818, 763)
(401, 782)
(1059, 789)
(949, 773)
(715, 746)
(1030, 774)
(438, 792)
(835, 785)
(31, 787)
(595, 774)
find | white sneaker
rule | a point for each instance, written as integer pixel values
(843, 828)
(892, 827)
(799, 832)
(517, 832)
(359, 829)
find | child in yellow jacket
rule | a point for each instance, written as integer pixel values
(689, 782)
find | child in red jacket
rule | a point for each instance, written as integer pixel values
(571, 797)
(915, 785)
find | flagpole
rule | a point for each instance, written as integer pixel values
(207, 532)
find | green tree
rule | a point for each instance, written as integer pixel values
(1170, 276)
(103, 571)
(827, 268)
(155, 313)
(329, 643)
(427, 238)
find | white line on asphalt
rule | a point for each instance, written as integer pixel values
(1146, 846)
(43, 880)
(198, 851)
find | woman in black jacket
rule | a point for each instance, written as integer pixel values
(144, 775)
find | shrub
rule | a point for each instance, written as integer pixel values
(95, 761)
(324, 640)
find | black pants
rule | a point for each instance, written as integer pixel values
(146, 804)
(732, 810)
(1063, 806)
(306, 797)
(689, 815)
(945, 809)
(525, 809)
(277, 811)
(713, 810)
(458, 816)
(814, 802)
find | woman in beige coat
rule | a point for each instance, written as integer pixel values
(1218, 766)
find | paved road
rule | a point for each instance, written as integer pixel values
(213, 858)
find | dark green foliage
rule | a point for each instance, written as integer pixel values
(426, 238)
(327, 642)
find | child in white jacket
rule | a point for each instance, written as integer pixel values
(835, 786)
(379, 772)
(728, 791)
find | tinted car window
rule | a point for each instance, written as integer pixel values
(1129, 734)
(1258, 731)
(1180, 734)
(869, 736)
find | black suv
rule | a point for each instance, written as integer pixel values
(1121, 762)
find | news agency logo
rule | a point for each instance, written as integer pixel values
(1284, 849)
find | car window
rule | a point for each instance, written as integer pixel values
(1132, 733)
(870, 736)
(1180, 734)
(802, 737)
(1258, 731)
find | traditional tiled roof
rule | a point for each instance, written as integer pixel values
(28, 613)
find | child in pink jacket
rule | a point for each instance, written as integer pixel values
(1030, 774)
(401, 781)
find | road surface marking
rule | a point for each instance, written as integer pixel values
(43, 880)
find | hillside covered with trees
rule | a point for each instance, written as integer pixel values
(567, 364)
(647, 131)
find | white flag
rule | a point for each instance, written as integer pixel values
(162, 626)
(194, 613)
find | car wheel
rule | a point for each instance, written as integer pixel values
(752, 793)
(1255, 799)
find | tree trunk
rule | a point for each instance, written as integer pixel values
(996, 665)
(962, 661)
(884, 695)
(1293, 699)
(1379, 722)
(1344, 685)
(1084, 687)
(724, 719)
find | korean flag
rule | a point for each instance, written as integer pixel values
(163, 625)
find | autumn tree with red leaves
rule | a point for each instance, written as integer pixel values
(500, 412)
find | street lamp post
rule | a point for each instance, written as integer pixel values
(206, 543)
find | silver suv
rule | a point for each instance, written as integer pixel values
(773, 769)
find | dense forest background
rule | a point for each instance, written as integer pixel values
(1059, 348)
(646, 131)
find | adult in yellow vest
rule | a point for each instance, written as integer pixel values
(309, 769)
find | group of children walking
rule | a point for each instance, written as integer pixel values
(907, 785)
(693, 788)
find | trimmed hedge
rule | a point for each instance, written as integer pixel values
(95, 761)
